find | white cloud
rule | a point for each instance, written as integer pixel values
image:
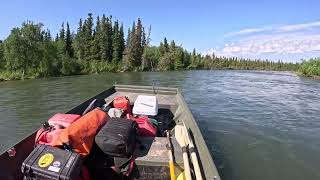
(269, 29)
(245, 31)
(298, 40)
(297, 27)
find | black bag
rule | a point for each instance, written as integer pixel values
(118, 137)
(103, 166)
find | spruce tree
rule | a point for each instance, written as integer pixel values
(103, 39)
(172, 46)
(122, 42)
(62, 33)
(95, 47)
(56, 39)
(106, 39)
(116, 43)
(87, 37)
(194, 63)
(129, 57)
(178, 57)
(47, 36)
(109, 39)
(166, 45)
(143, 39)
(78, 42)
(128, 38)
(137, 44)
(68, 42)
(61, 44)
(2, 60)
(148, 39)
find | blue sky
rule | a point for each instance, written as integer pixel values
(275, 29)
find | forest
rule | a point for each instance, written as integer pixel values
(101, 45)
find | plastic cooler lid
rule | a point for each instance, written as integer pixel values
(146, 105)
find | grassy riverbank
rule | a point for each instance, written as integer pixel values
(74, 68)
(310, 68)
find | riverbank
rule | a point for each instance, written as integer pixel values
(9, 76)
(18, 75)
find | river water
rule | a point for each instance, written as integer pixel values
(257, 125)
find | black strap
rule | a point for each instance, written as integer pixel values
(192, 149)
(184, 149)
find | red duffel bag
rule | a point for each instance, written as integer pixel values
(79, 136)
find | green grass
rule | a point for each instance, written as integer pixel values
(310, 68)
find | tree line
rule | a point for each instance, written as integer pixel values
(100, 45)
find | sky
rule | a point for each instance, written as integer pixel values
(274, 29)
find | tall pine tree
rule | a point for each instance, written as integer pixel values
(95, 47)
(62, 33)
(78, 42)
(68, 42)
(106, 39)
(87, 36)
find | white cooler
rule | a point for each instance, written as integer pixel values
(146, 105)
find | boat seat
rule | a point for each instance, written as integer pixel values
(152, 158)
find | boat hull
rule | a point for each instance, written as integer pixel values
(171, 98)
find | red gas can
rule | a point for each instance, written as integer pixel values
(122, 102)
(63, 120)
(145, 127)
(57, 122)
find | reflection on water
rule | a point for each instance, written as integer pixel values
(257, 125)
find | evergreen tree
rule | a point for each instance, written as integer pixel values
(186, 59)
(109, 39)
(87, 36)
(166, 45)
(117, 43)
(138, 44)
(143, 39)
(106, 39)
(62, 33)
(47, 35)
(129, 51)
(56, 39)
(68, 42)
(2, 60)
(96, 43)
(61, 44)
(172, 46)
(148, 39)
(178, 57)
(78, 42)
(49, 65)
(194, 63)
(122, 42)
(103, 39)
(128, 37)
